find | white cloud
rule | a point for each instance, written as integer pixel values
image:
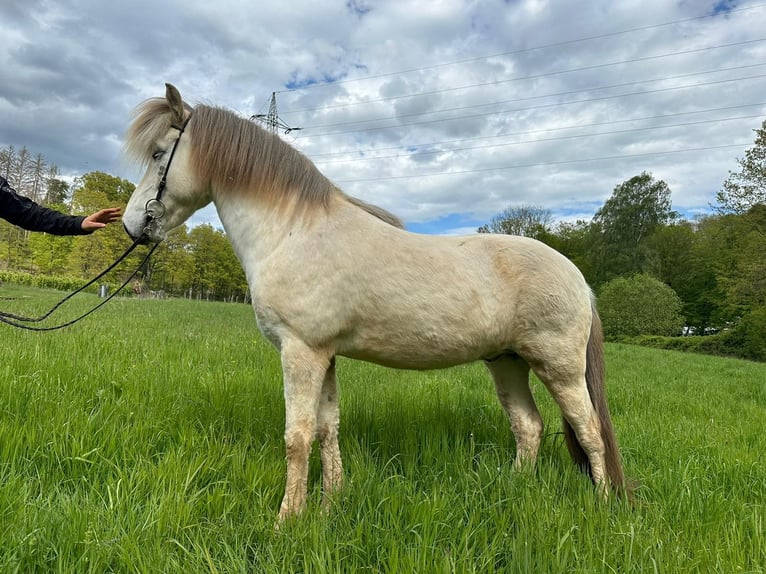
(71, 71)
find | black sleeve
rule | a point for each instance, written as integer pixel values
(25, 213)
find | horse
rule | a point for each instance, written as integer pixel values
(331, 275)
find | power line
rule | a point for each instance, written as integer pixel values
(543, 130)
(551, 95)
(533, 76)
(541, 106)
(541, 164)
(523, 50)
(559, 138)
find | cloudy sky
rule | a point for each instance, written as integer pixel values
(444, 112)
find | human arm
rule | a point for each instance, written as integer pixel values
(25, 213)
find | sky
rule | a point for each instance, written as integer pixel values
(444, 112)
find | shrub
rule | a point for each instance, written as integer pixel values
(721, 344)
(749, 336)
(747, 340)
(59, 282)
(639, 305)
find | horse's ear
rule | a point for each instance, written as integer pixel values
(173, 96)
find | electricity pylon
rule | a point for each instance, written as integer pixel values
(272, 121)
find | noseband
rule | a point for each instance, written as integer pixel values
(154, 208)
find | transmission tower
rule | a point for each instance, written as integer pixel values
(272, 121)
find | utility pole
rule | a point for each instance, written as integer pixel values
(272, 121)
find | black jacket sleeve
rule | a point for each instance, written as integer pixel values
(24, 212)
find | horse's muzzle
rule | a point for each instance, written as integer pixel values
(143, 239)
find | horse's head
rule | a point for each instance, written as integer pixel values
(169, 191)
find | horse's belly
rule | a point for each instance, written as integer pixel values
(419, 350)
(409, 361)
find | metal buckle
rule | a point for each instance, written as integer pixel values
(154, 208)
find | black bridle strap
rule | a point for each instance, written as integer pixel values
(164, 181)
(5, 317)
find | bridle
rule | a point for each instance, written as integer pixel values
(154, 208)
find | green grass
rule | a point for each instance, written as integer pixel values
(148, 438)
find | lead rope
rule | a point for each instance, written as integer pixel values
(19, 320)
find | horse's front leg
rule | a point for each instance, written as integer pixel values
(327, 431)
(304, 371)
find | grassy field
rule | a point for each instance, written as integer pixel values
(148, 438)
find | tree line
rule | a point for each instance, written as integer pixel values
(657, 273)
(196, 263)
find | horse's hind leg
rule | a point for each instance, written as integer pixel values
(304, 372)
(511, 376)
(327, 431)
(567, 385)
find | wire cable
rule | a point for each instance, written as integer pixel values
(537, 107)
(534, 76)
(541, 164)
(531, 141)
(522, 50)
(541, 130)
(551, 95)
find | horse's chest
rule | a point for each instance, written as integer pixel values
(268, 322)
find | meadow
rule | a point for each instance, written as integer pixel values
(148, 438)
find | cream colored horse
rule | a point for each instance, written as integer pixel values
(331, 275)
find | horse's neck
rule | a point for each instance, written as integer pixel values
(257, 231)
(247, 226)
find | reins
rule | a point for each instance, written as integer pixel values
(19, 320)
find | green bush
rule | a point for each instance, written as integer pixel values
(749, 335)
(639, 305)
(721, 344)
(747, 340)
(58, 282)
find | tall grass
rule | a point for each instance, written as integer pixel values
(148, 438)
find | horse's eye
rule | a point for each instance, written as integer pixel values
(157, 155)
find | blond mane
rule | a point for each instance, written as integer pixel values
(235, 155)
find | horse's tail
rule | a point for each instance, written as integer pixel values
(595, 380)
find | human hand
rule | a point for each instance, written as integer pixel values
(101, 219)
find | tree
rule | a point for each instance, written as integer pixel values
(57, 191)
(7, 161)
(635, 210)
(574, 241)
(747, 187)
(639, 305)
(114, 190)
(38, 170)
(737, 251)
(677, 257)
(172, 265)
(14, 250)
(217, 272)
(22, 174)
(749, 336)
(527, 220)
(50, 253)
(90, 254)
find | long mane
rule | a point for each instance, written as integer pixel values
(234, 154)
